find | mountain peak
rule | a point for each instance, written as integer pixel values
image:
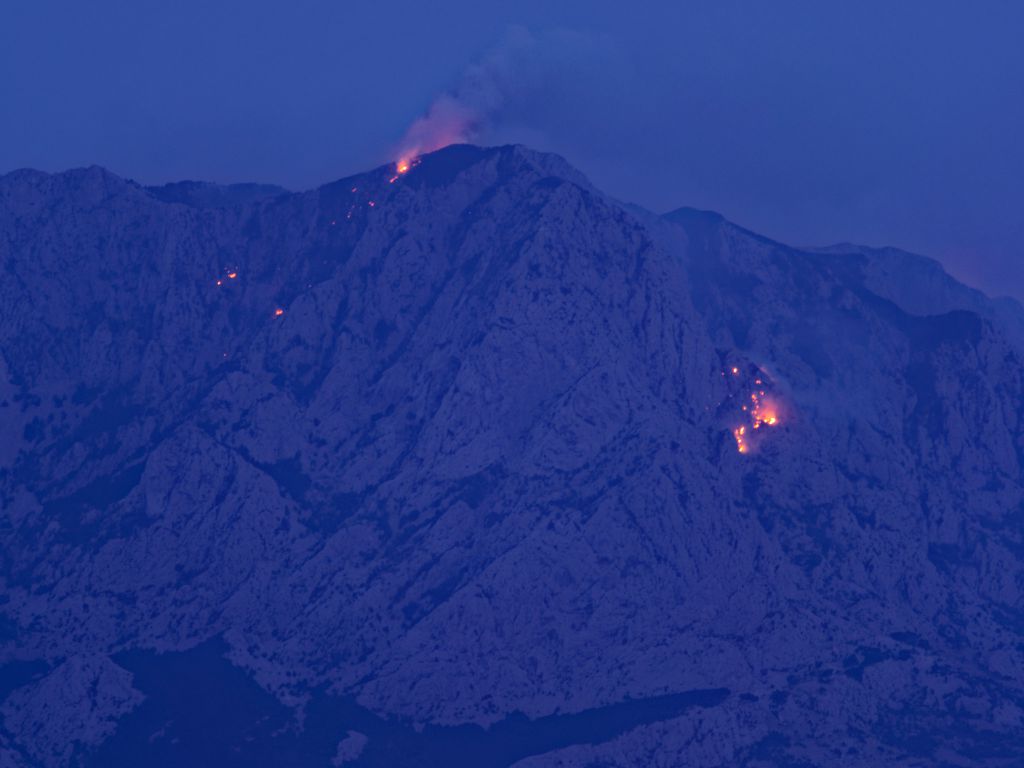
(473, 463)
(442, 166)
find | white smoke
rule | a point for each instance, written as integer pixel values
(525, 70)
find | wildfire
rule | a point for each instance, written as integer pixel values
(758, 410)
(741, 443)
(229, 274)
(761, 412)
(402, 167)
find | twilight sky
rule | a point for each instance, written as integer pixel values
(874, 122)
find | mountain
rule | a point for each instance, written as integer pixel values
(921, 286)
(205, 195)
(473, 465)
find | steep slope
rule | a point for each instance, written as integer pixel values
(458, 449)
(921, 286)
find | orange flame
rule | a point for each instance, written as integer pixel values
(762, 413)
(741, 443)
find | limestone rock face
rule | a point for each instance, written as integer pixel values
(476, 466)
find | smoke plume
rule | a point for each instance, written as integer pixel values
(520, 77)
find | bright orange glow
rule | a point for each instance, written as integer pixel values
(741, 444)
(232, 275)
(764, 414)
(278, 312)
(735, 370)
(761, 413)
(739, 435)
(402, 166)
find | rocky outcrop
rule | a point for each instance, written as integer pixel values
(447, 463)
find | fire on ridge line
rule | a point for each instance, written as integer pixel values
(402, 166)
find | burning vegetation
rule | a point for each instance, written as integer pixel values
(360, 198)
(758, 409)
(231, 273)
(402, 167)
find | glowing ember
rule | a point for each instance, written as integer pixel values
(278, 312)
(232, 275)
(220, 282)
(735, 370)
(741, 443)
(761, 412)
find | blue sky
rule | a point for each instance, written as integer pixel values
(882, 123)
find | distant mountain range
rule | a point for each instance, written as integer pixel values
(475, 466)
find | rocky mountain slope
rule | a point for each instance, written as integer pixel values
(472, 465)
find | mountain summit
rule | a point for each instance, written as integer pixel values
(472, 465)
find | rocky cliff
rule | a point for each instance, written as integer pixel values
(472, 465)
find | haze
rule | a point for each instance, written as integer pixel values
(878, 123)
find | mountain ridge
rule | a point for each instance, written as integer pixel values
(485, 461)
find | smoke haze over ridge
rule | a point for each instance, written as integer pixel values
(810, 124)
